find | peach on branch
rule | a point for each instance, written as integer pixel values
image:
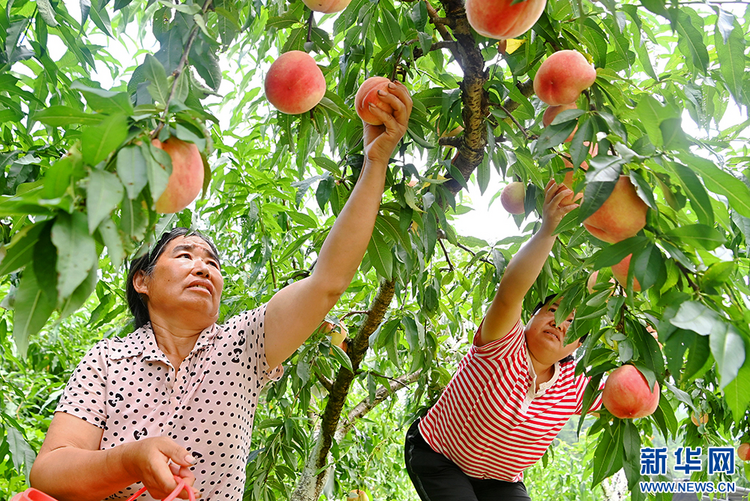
(326, 6)
(621, 216)
(503, 19)
(743, 451)
(512, 197)
(186, 180)
(620, 272)
(294, 84)
(562, 76)
(338, 335)
(627, 394)
(368, 94)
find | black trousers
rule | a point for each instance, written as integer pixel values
(437, 478)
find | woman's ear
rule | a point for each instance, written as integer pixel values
(139, 282)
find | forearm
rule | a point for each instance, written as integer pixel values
(518, 278)
(523, 270)
(73, 474)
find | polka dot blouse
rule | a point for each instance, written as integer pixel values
(129, 388)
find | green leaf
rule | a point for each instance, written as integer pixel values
(132, 170)
(698, 235)
(601, 178)
(46, 11)
(104, 193)
(33, 308)
(728, 350)
(609, 453)
(76, 251)
(651, 113)
(342, 358)
(60, 116)
(154, 72)
(98, 142)
(737, 392)
(20, 250)
(696, 317)
(672, 134)
(693, 39)
(20, 450)
(158, 169)
(105, 101)
(80, 295)
(730, 49)
(615, 253)
(380, 255)
(722, 183)
(649, 266)
(699, 199)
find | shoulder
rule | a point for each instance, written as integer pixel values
(513, 342)
(244, 323)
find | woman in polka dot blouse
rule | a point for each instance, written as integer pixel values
(177, 397)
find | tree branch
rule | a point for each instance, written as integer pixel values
(381, 394)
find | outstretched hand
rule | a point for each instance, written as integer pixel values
(557, 202)
(381, 140)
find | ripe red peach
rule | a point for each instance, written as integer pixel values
(627, 394)
(503, 19)
(294, 83)
(562, 76)
(368, 93)
(743, 451)
(621, 216)
(186, 180)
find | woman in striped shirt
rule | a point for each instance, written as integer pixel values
(511, 394)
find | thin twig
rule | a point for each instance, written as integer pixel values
(445, 253)
(515, 121)
(310, 21)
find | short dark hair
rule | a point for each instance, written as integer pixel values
(146, 263)
(541, 305)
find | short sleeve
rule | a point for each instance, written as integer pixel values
(85, 394)
(255, 346)
(513, 343)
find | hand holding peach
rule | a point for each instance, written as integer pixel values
(381, 140)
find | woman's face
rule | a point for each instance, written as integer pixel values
(546, 339)
(185, 285)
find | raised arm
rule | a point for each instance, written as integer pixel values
(523, 269)
(295, 311)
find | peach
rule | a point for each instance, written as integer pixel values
(627, 394)
(503, 19)
(512, 197)
(186, 180)
(699, 419)
(621, 216)
(357, 495)
(338, 335)
(562, 76)
(552, 111)
(368, 93)
(620, 272)
(743, 451)
(326, 6)
(294, 83)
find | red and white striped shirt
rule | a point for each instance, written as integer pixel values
(490, 421)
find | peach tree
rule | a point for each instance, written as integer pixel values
(84, 89)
